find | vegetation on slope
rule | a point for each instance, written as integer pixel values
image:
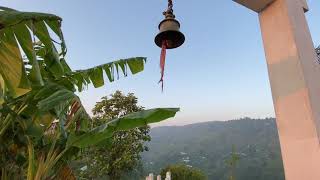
(183, 172)
(208, 146)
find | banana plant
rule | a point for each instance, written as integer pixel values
(43, 123)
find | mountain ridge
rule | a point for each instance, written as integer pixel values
(207, 145)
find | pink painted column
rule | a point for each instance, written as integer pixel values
(295, 83)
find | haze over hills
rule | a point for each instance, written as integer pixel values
(208, 145)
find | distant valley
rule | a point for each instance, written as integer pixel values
(208, 146)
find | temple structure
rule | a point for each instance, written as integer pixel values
(294, 73)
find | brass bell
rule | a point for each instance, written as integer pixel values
(169, 32)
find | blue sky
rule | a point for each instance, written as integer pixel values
(219, 73)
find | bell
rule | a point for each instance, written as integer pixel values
(169, 32)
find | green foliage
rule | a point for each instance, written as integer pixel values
(42, 120)
(121, 153)
(232, 162)
(183, 172)
(208, 146)
(127, 122)
(22, 28)
(31, 31)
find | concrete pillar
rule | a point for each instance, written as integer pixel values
(159, 177)
(151, 176)
(168, 175)
(295, 83)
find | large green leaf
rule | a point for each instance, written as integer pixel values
(21, 29)
(95, 75)
(24, 38)
(53, 63)
(55, 26)
(136, 65)
(11, 66)
(62, 95)
(124, 123)
(26, 26)
(10, 17)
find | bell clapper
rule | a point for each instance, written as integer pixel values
(169, 36)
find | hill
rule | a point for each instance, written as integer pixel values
(208, 145)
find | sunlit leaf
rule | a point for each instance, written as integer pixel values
(15, 28)
(9, 17)
(136, 65)
(124, 123)
(24, 38)
(11, 66)
(109, 71)
(96, 76)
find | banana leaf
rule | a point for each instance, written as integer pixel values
(22, 29)
(130, 121)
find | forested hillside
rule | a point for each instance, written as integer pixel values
(208, 146)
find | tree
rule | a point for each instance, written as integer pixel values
(183, 172)
(232, 162)
(122, 152)
(43, 124)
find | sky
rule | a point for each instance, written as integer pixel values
(220, 72)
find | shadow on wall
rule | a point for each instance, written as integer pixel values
(318, 53)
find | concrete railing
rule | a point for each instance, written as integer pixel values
(151, 177)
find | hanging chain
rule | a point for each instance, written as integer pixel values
(170, 5)
(170, 8)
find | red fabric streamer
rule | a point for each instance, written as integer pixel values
(163, 61)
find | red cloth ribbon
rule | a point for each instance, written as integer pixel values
(163, 61)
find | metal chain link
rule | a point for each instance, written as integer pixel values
(170, 8)
(170, 4)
